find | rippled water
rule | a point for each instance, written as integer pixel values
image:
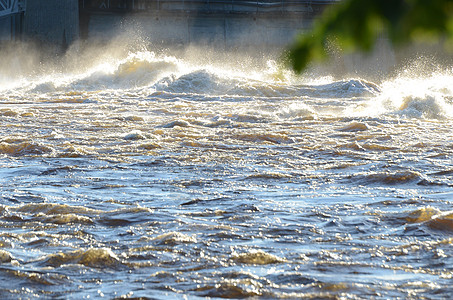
(155, 176)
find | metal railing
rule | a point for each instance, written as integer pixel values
(9, 7)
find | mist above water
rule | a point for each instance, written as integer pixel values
(419, 88)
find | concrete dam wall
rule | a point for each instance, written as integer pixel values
(52, 21)
(225, 31)
(221, 23)
(227, 24)
(11, 19)
(9, 27)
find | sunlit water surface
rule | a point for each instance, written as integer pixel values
(152, 176)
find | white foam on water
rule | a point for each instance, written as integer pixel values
(413, 96)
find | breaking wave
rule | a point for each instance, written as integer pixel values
(257, 257)
(145, 72)
(432, 218)
(24, 149)
(92, 257)
(428, 97)
(428, 107)
(388, 178)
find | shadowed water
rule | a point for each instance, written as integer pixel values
(146, 175)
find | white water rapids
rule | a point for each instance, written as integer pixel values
(145, 174)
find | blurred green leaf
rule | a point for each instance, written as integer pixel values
(354, 25)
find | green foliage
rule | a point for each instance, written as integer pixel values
(353, 25)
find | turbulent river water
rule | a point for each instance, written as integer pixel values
(157, 176)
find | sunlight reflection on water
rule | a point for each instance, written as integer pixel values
(155, 176)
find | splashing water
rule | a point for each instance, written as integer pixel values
(146, 174)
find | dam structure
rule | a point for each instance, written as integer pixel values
(11, 17)
(222, 23)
